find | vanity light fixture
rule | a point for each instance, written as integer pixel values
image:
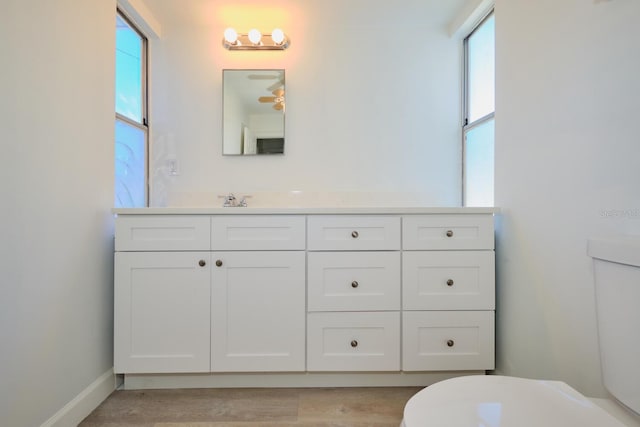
(254, 40)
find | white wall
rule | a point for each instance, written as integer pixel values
(56, 182)
(373, 97)
(567, 167)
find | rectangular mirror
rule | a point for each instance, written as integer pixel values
(253, 112)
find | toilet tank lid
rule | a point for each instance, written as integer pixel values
(623, 250)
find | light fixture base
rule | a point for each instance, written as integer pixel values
(243, 43)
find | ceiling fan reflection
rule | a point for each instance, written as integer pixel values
(277, 99)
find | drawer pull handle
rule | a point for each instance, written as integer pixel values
(354, 284)
(450, 282)
(354, 343)
(202, 263)
(219, 263)
(450, 343)
(354, 234)
(449, 233)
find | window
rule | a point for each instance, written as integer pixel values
(479, 110)
(131, 132)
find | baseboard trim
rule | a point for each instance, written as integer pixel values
(277, 380)
(81, 406)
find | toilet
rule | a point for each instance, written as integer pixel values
(501, 401)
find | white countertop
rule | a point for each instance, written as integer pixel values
(372, 210)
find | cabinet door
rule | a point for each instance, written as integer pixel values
(258, 311)
(162, 311)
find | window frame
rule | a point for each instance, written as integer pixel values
(466, 125)
(144, 125)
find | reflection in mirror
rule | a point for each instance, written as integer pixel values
(253, 112)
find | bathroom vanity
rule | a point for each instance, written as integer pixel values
(295, 296)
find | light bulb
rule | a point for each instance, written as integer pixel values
(255, 36)
(230, 36)
(277, 36)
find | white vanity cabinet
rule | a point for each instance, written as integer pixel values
(448, 292)
(320, 297)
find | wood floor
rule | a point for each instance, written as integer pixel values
(311, 407)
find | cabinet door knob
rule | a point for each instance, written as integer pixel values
(219, 263)
(202, 263)
(354, 234)
(354, 343)
(449, 233)
(450, 282)
(354, 284)
(450, 343)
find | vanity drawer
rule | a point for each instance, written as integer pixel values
(353, 341)
(353, 281)
(447, 340)
(353, 233)
(162, 233)
(448, 280)
(447, 232)
(257, 232)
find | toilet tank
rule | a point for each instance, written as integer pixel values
(616, 264)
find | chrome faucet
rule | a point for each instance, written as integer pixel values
(230, 201)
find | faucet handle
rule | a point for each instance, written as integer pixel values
(243, 201)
